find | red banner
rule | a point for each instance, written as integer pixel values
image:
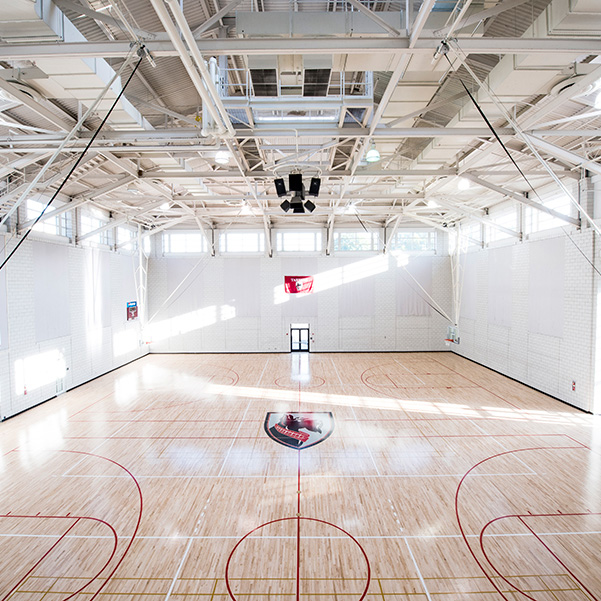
(298, 283)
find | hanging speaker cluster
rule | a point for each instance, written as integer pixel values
(297, 203)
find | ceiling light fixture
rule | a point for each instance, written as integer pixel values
(372, 156)
(432, 204)
(463, 183)
(222, 157)
(165, 206)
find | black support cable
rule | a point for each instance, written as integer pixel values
(77, 162)
(494, 133)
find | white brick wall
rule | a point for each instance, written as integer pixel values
(548, 363)
(383, 330)
(87, 354)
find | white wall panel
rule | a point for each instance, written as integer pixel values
(470, 286)
(87, 288)
(97, 285)
(51, 291)
(242, 286)
(356, 292)
(3, 300)
(353, 306)
(500, 286)
(546, 289)
(417, 275)
(545, 325)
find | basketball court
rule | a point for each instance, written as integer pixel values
(433, 478)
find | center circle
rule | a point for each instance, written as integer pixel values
(299, 519)
(287, 382)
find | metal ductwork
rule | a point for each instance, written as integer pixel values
(64, 79)
(27, 21)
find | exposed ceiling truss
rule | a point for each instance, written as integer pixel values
(235, 94)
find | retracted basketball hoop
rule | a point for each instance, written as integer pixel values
(452, 336)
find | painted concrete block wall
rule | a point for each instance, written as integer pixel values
(87, 351)
(550, 361)
(200, 318)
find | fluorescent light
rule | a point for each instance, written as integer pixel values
(432, 204)
(165, 206)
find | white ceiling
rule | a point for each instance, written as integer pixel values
(535, 61)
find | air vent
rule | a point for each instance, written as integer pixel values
(316, 82)
(264, 75)
(316, 76)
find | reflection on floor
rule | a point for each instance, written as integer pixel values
(434, 478)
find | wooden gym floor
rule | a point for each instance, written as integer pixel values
(441, 480)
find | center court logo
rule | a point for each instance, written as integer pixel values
(299, 430)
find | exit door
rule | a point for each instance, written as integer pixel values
(299, 339)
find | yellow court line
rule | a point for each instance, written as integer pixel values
(214, 589)
(381, 590)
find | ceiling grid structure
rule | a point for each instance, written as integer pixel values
(278, 87)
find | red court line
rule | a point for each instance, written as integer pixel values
(12, 590)
(229, 559)
(90, 405)
(275, 382)
(534, 515)
(560, 562)
(137, 526)
(462, 531)
(340, 419)
(478, 385)
(161, 437)
(68, 517)
(376, 437)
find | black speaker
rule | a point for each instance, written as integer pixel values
(295, 182)
(314, 187)
(280, 187)
(296, 205)
(309, 206)
(285, 206)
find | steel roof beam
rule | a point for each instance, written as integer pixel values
(521, 198)
(117, 222)
(305, 45)
(564, 155)
(36, 107)
(370, 14)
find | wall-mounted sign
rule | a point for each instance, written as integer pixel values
(132, 310)
(298, 283)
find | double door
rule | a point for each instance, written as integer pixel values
(299, 339)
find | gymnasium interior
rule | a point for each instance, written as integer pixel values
(299, 299)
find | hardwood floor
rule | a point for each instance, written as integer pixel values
(433, 479)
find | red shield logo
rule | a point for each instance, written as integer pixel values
(299, 430)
